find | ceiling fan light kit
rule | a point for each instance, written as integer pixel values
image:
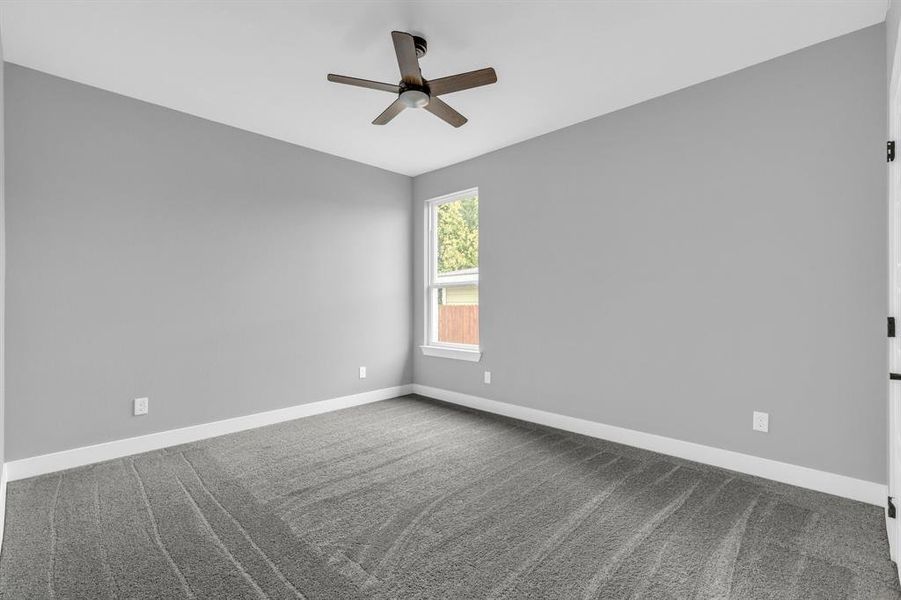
(413, 90)
(414, 98)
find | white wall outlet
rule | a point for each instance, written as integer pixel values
(487, 376)
(362, 372)
(142, 406)
(761, 421)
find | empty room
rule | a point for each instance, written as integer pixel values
(447, 299)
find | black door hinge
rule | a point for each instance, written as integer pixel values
(891, 326)
(890, 151)
(891, 508)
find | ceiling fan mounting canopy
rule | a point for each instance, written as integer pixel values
(413, 90)
(421, 46)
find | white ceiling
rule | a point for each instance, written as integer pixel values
(261, 66)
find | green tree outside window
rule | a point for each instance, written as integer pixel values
(458, 235)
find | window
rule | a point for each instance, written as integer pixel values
(452, 327)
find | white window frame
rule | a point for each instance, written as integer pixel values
(434, 281)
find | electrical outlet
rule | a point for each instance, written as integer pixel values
(362, 372)
(142, 406)
(487, 376)
(761, 421)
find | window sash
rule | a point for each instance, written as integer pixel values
(432, 339)
(434, 276)
(456, 282)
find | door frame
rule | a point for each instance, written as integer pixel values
(893, 526)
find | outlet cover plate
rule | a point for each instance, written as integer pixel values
(761, 422)
(142, 406)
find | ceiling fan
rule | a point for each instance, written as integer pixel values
(414, 91)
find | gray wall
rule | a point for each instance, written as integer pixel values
(673, 266)
(712, 252)
(216, 271)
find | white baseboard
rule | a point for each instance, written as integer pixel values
(821, 481)
(77, 457)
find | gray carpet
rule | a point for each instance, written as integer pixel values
(411, 498)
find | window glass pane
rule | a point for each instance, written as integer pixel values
(458, 236)
(458, 314)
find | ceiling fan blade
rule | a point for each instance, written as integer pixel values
(405, 49)
(389, 113)
(364, 83)
(463, 81)
(441, 110)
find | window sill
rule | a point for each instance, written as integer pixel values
(454, 353)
